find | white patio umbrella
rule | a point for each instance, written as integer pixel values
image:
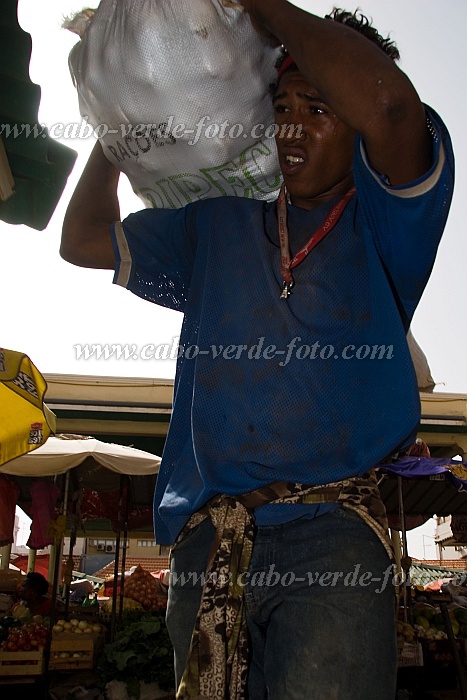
(64, 452)
(96, 465)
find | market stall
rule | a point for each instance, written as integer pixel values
(89, 479)
(95, 479)
(432, 634)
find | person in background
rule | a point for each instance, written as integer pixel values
(80, 590)
(295, 379)
(34, 593)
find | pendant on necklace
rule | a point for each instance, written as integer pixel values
(286, 290)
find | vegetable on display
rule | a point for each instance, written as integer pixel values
(142, 651)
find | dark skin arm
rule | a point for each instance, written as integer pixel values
(92, 209)
(360, 84)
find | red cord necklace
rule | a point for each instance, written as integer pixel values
(288, 264)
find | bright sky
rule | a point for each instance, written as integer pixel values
(50, 306)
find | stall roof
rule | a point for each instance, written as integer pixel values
(428, 496)
(422, 574)
(137, 410)
(141, 408)
(150, 564)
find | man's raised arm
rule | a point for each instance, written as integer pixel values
(92, 210)
(358, 81)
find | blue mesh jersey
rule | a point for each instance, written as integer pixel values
(312, 389)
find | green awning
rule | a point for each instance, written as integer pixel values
(422, 574)
(39, 165)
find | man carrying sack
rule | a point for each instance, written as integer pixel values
(294, 378)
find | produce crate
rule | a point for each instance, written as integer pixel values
(21, 663)
(439, 664)
(439, 652)
(84, 647)
(409, 654)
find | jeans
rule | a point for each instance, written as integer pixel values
(320, 609)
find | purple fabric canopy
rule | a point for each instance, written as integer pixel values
(430, 486)
(428, 466)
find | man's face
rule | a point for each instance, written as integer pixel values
(27, 593)
(316, 165)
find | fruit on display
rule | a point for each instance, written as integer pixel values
(20, 612)
(425, 610)
(430, 623)
(29, 637)
(424, 616)
(128, 604)
(143, 587)
(429, 632)
(70, 654)
(405, 632)
(76, 627)
(5, 623)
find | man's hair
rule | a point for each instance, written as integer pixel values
(358, 21)
(37, 582)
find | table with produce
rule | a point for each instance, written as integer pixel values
(426, 653)
(29, 641)
(139, 656)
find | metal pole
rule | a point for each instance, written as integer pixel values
(396, 543)
(69, 564)
(116, 564)
(58, 547)
(52, 558)
(57, 570)
(125, 538)
(404, 541)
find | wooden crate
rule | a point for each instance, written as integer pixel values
(21, 663)
(68, 642)
(409, 654)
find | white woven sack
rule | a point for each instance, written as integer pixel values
(174, 88)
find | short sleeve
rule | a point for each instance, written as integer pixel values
(154, 253)
(407, 222)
